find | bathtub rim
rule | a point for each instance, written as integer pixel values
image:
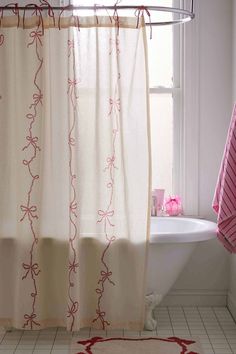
(184, 237)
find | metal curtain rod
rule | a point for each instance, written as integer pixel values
(188, 15)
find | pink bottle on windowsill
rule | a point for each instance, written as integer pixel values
(158, 194)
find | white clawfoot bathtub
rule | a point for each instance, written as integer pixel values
(172, 240)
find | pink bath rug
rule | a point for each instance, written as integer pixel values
(153, 345)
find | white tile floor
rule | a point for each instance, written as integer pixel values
(214, 327)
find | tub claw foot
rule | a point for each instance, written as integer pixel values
(151, 301)
(150, 324)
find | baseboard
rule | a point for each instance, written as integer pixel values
(231, 304)
(195, 298)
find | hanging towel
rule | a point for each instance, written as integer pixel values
(224, 202)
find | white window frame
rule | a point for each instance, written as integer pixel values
(185, 95)
(189, 156)
(185, 112)
(177, 92)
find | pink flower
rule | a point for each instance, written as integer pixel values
(173, 205)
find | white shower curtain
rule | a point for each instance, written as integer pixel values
(74, 173)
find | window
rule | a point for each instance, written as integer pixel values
(174, 103)
(165, 94)
(164, 74)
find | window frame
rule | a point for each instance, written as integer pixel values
(185, 93)
(177, 94)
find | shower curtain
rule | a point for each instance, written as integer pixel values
(74, 172)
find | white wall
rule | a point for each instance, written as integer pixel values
(208, 269)
(215, 93)
(232, 285)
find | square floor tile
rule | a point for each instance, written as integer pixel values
(214, 327)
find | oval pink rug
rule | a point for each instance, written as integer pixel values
(146, 345)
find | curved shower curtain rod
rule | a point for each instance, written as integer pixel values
(188, 15)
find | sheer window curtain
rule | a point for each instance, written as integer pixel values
(75, 173)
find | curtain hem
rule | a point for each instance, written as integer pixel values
(50, 323)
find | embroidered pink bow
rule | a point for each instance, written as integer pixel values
(73, 309)
(101, 315)
(72, 83)
(114, 105)
(30, 319)
(110, 163)
(73, 266)
(36, 37)
(105, 215)
(33, 268)
(32, 141)
(28, 211)
(105, 276)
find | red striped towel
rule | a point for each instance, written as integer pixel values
(224, 202)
